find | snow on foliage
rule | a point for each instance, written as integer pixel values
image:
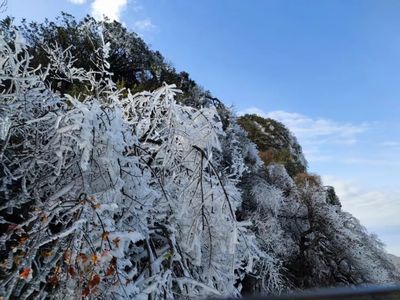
(114, 195)
(110, 195)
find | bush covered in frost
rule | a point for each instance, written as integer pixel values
(108, 194)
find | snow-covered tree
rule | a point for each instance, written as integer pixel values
(111, 194)
(107, 195)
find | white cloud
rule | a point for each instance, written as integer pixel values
(313, 131)
(370, 162)
(79, 2)
(112, 9)
(144, 25)
(377, 209)
(391, 144)
(315, 156)
(374, 207)
(253, 110)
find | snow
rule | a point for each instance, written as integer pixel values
(144, 192)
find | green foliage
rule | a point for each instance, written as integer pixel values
(275, 142)
(133, 64)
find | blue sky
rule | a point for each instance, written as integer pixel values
(329, 70)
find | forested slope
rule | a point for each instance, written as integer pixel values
(121, 178)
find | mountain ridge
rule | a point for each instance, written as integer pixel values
(146, 189)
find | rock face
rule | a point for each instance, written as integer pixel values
(275, 143)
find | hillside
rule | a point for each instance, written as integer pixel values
(122, 178)
(274, 142)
